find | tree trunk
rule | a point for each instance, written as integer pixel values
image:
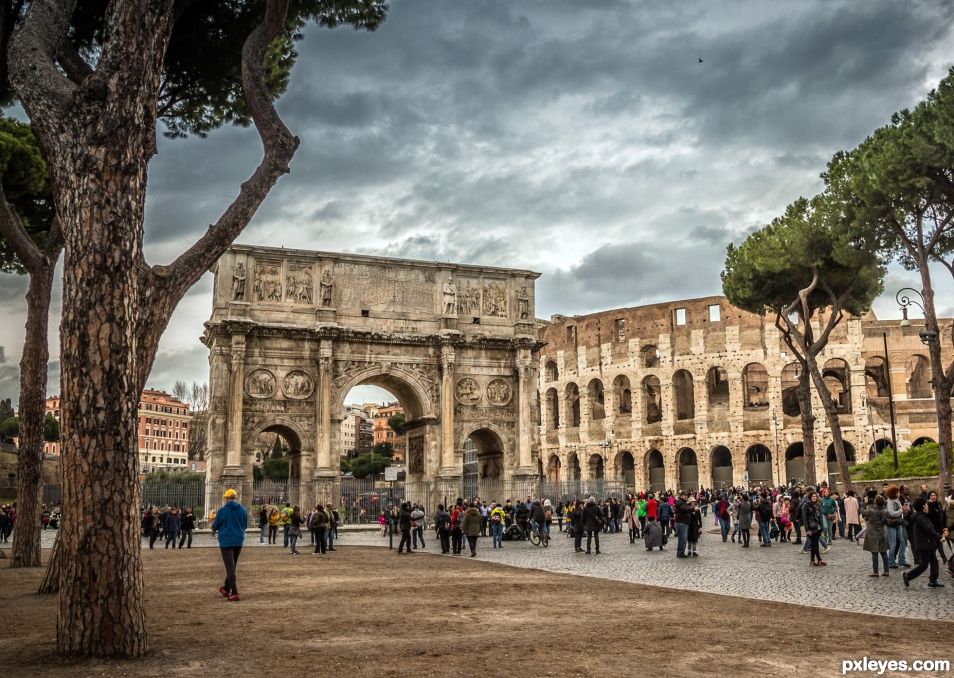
(26, 538)
(54, 568)
(831, 414)
(808, 424)
(940, 381)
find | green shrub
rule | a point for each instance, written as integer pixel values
(915, 462)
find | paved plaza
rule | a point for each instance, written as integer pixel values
(778, 574)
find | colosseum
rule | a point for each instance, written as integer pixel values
(699, 393)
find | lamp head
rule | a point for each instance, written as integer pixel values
(904, 317)
(927, 336)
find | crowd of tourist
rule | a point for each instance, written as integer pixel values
(170, 525)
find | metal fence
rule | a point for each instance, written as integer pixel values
(361, 501)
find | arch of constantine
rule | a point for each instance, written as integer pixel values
(293, 331)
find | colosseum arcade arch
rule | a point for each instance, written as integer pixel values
(292, 331)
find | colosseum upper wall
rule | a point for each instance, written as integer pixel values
(700, 393)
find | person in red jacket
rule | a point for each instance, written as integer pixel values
(652, 508)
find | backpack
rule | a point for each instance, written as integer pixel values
(548, 514)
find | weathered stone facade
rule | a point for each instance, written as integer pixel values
(292, 332)
(699, 393)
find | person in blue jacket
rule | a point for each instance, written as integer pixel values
(229, 526)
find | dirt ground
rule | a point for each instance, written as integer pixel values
(368, 612)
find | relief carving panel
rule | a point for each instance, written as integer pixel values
(260, 384)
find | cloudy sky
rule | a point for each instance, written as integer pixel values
(582, 140)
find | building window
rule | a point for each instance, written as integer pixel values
(714, 313)
(571, 333)
(621, 329)
(680, 316)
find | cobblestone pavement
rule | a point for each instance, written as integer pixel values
(779, 573)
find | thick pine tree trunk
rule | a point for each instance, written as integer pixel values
(940, 381)
(808, 424)
(26, 537)
(54, 568)
(831, 413)
(101, 603)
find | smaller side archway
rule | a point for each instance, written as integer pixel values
(652, 400)
(597, 398)
(626, 468)
(550, 371)
(554, 467)
(624, 395)
(922, 441)
(573, 405)
(878, 447)
(596, 467)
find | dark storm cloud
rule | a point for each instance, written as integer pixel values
(583, 140)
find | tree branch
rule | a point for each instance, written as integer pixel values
(45, 92)
(279, 145)
(166, 285)
(20, 241)
(73, 65)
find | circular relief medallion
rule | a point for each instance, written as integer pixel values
(499, 392)
(297, 385)
(260, 384)
(467, 391)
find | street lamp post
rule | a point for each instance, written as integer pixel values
(778, 475)
(929, 336)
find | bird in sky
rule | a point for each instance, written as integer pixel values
(700, 60)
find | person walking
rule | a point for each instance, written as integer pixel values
(592, 523)
(695, 528)
(404, 524)
(150, 526)
(285, 520)
(497, 517)
(876, 534)
(262, 523)
(577, 522)
(274, 518)
(926, 540)
(187, 525)
(319, 523)
(632, 522)
(171, 526)
(683, 515)
(897, 538)
(853, 516)
(744, 521)
(722, 513)
(332, 532)
(417, 526)
(471, 527)
(442, 528)
(765, 515)
(456, 530)
(936, 514)
(294, 530)
(229, 528)
(812, 522)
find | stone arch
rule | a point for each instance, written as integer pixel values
(554, 467)
(683, 396)
(717, 387)
(626, 468)
(878, 447)
(721, 464)
(553, 408)
(596, 466)
(550, 371)
(652, 399)
(795, 462)
(755, 383)
(596, 396)
(790, 374)
(573, 470)
(836, 376)
(919, 377)
(922, 440)
(649, 356)
(624, 395)
(758, 460)
(876, 377)
(491, 449)
(849, 453)
(408, 387)
(572, 395)
(687, 466)
(655, 470)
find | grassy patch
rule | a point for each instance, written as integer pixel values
(915, 462)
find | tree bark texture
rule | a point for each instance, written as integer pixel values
(808, 424)
(941, 381)
(98, 135)
(51, 580)
(33, 364)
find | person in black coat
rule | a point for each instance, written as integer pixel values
(404, 524)
(187, 524)
(926, 540)
(170, 525)
(576, 522)
(764, 512)
(592, 523)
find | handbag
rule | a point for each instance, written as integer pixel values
(294, 531)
